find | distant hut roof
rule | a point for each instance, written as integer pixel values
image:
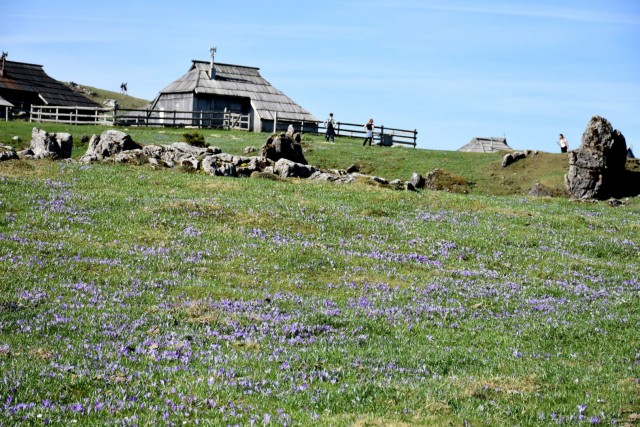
(239, 81)
(485, 145)
(29, 81)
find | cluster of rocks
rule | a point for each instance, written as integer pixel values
(595, 169)
(281, 156)
(511, 158)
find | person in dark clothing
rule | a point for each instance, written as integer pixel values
(369, 128)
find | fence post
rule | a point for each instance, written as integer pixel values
(381, 133)
(415, 138)
(275, 121)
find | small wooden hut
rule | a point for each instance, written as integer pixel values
(209, 86)
(486, 145)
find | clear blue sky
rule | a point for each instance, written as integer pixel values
(456, 69)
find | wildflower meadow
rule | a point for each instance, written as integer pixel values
(140, 297)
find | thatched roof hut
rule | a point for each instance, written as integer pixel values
(236, 88)
(23, 85)
(486, 145)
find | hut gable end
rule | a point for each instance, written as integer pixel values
(237, 87)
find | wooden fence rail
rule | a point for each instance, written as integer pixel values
(207, 119)
(382, 135)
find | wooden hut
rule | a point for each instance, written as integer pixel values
(486, 145)
(23, 85)
(209, 86)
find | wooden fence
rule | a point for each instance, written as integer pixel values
(137, 117)
(208, 119)
(382, 135)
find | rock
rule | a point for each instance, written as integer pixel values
(352, 169)
(108, 144)
(597, 167)
(131, 156)
(290, 169)
(250, 149)
(539, 190)
(283, 147)
(379, 180)
(16, 139)
(410, 186)
(417, 181)
(7, 153)
(55, 145)
(255, 164)
(511, 158)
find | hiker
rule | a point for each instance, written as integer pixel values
(330, 124)
(369, 135)
(564, 145)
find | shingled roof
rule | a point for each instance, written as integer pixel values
(485, 145)
(239, 81)
(22, 83)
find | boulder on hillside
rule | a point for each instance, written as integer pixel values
(7, 153)
(54, 145)
(511, 158)
(416, 181)
(283, 146)
(597, 167)
(290, 169)
(108, 144)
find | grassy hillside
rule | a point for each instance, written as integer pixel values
(482, 172)
(134, 296)
(101, 95)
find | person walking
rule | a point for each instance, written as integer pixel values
(330, 125)
(369, 128)
(564, 145)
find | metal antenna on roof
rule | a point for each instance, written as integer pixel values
(212, 70)
(4, 55)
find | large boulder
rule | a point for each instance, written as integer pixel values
(44, 144)
(283, 146)
(597, 167)
(289, 169)
(108, 144)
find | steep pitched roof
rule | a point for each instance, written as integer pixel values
(239, 81)
(485, 145)
(5, 103)
(32, 81)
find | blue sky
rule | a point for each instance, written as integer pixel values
(527, 70)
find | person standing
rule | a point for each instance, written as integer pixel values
(330, 125)
(564, 145)
(369, 128)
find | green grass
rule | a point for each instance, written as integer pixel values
(133, 296)
(482, 171)
(124, 101)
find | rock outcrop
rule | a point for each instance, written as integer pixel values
(108, 144)
(44, 144)
(597, 167)
(283, 146)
